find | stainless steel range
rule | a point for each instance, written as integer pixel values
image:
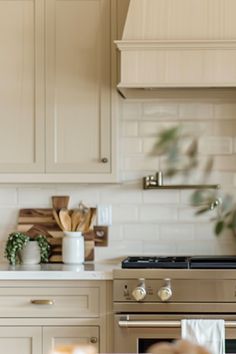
(152, 294)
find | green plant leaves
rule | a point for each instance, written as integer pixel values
(219, 227)
(17, 240)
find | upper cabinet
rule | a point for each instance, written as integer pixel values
(21, 86)
(57, 96)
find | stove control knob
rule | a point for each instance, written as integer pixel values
(165, 292)
(139, 293)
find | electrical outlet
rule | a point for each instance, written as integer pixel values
(104, 215)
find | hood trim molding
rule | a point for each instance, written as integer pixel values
(156, 64)
(175, 44)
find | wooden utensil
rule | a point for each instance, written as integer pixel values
(56, 217)
(65, 219)
(76, 218)
(85, 225)
(59, 202)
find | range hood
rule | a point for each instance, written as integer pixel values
(169, 44)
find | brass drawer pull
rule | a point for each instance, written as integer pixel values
(43, 302)
(93, 340)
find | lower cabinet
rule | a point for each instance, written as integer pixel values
(57, 336)
(21, 340)
(38, 316)
(38, 340)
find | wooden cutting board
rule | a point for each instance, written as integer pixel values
(41, 221)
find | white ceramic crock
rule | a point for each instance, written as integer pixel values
(73, 247)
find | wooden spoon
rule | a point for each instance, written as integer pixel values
(85, 225)
(56, 217)
(65, 219)
(76, 218)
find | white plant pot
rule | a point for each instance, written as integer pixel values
(30, 254)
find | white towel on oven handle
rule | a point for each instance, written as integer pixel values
(208, 333)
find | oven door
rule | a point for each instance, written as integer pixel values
(136, 333)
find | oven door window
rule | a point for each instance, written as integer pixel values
(230, 346)
(145, 343)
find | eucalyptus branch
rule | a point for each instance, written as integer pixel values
(181, 157)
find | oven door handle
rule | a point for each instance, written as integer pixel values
(161, 324)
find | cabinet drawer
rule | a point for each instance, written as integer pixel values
(53, 302)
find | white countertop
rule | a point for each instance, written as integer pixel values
(88, 271)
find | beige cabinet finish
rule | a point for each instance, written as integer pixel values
(57, 93)
(37, 316)
(21, 86)
(21, 340)
(54, 337)
(78, 86)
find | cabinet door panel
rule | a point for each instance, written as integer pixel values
(78, 44)
(54, 337)
(20, 340)
(21, 86)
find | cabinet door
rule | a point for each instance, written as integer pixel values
(21, 86)
(54, 337)
(78, 94)
(20, 340)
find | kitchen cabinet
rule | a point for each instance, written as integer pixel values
(23, 340)
(57, 95)
(37, 316)
(56, 336)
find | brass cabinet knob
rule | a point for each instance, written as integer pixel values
(104, 160)
(42, 302)
(93, 340)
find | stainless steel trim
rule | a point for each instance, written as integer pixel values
(156, 182)
(161, 324)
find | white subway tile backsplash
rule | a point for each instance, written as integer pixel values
(129, 129)
(211, 145)
(195, 111)
(8, 196)
(119, 250)
(149, 145)
(124, 213)
(161, 196)
(157, 213)
(8, 216)
(225, 163)
(152, 129)
(34, 197)
(141, 163)
(189, 214)
(131, 146)
(166, 110)
(177, 232)
(130, 193)
(115, 233)
(158, 248)
(141, 232)
(225, 111)
(131, 110)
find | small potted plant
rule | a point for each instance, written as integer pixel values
(21, 248)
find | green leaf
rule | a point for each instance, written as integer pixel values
(219, 227)
(202, 210)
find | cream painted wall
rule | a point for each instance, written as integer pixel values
(148, 222)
